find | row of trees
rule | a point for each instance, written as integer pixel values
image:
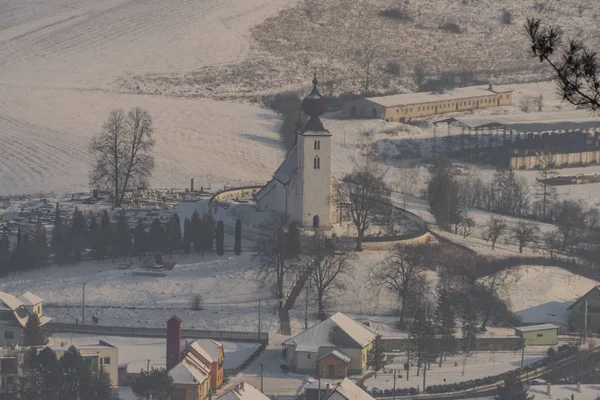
(71, 241)
(45, 377)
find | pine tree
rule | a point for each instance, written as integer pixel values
(27, 258)
(196, 231)
(220, 238)
(140, 241)
(17, 253)
(445, 321)
(237, 247)
(207, 237)
(33, 334)
(422, 331)
(469, 326)
(156, 237)
(59, 241)
(96, 240)
(156, 383)
(102, 386)
(375, 356)
(48, 374)
(78, 233)
(40, 245)
(106, 233)
(4, 253)
(293, 240)
(173, 232)
(122, 238)
(513, 390)
(77, 377)
(187, 240)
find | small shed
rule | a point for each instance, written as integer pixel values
(538, 335)
(333, 365)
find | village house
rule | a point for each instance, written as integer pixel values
(14, 314)
(210, 353)
(191, 379)
(538, 335)
(243, 391)
(348, 390)
(592, 299)
(404, 107)
(333, 348)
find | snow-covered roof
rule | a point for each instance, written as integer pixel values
(531, 122)
(325, 334)
(287, 169)
(595, 288)
(189, 371)
(429, 97)
(10, 301)
(532, 328)
(350, 391)
(207, 348)
(243, 391)
(337, 354)
(30, 299)
(265, 190)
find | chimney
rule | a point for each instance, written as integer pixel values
(173, 341)
(327, 390)
(578, 387)
(491, 87)
(549, 390)
(192, 185)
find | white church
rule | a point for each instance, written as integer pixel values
(302, 186)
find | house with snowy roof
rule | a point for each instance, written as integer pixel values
(243, 391)
(333, 348)
(14, 314)
(348, 390)
(211, 353)
(191, 379)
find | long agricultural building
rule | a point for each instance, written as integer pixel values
(404, 107)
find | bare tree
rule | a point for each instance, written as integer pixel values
(570, 221)
(496, 227)
(525, 232)
(551, 241)
(407, 183)
(494, 287)
(122, 153)
(403, 273)
(546, 192)
(363, 192)
(576, 67)
(330, 260)
(278, 254)
(420, 74)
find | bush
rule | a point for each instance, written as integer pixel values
(197, 302)
(450, 27)
(392, 68)
(506, 17)
(395, 13)
(551, 352)
(284, 368)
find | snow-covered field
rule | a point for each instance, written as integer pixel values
(59, 63)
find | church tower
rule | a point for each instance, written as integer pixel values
(313, 190)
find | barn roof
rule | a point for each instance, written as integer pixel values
(431, 97)
(350, 391)
(189, 371)
(533, 328)
(243, 391)
(208, 348)
(337, 354)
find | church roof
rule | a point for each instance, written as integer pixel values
(287, 169)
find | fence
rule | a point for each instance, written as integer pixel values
(232, 336)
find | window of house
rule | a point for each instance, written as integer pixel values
(317, 145)
(317, 163)
(106, 360)
(308, 356)
(9, 334)
(339, 368)
(540, 334)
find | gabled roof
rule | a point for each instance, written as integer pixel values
(595, 288)
(30, 299)
(350, 391)
(265, 190)
(339, 330)
(287, 169)
(243, 391)
(431, 97)
(207, 348)
(337, 354)
(10, 301)
(532, 328)
(189, 371)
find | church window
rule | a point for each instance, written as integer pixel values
(317, 163)
(317, 145)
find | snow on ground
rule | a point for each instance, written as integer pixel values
(543, 294)
(59, 61)
(478, 365)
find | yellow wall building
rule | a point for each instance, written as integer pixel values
(538, 335)
(404, 107)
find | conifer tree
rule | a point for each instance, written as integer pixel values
(122, 238)
(40, 245)
(156, 383)
(27, 258)
(59, 242)
(106, 233)
(102, 386)
(78, 233)
(77, 376)
(156, 237)
(17, 253)
(140, 240)
(4, 253)
(207, 237)
(173, 232)
(33, 334)
(375, 356)
(97, 240)
(196, 231)
(47, 374)
(422, 330)
(237, 247)
(445, 321)
(187, 240)
(220, 238)
(293, 240)
(469, 326)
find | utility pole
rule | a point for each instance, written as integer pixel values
(523, 353)
(306, 310)
(261, 378)
(408, 358)
(425, 371)
(394, 391)
(585, 318)
(259, 319)
(83, 306)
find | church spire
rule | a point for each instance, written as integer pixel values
(314, 105)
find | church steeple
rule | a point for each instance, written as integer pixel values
(314, 105)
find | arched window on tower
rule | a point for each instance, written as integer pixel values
(317, 163)
(317, 145)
